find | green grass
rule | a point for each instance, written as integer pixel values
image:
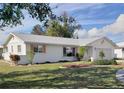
(51, 76)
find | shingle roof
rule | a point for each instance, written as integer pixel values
(29, 38)
(86, 41)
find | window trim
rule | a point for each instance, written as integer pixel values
(19, 47)
(39, 49)
(12, 48)
(73, 49)
(5, 49)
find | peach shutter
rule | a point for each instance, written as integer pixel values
(44, 48)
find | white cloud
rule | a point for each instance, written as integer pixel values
(94, 32)
(115, 28)
(80, 33)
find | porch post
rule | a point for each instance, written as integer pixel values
(93, 54)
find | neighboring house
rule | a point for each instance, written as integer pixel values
(54, 49)
(1, 51)
(119, 53)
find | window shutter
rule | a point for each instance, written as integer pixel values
(44, 48)
(73, 51)
(64, 51)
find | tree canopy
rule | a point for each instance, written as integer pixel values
(11, 13)
(62, 26)
(37, 30)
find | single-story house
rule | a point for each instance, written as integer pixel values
(119, 53)
(54, 49)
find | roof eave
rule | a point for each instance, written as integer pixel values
(51, 43)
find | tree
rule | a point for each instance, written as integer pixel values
(56, 29)
(37, 30)
(30, 55)
(11, 13)
(81, 52)
(62, 26)
(101, 54)
(69, 23)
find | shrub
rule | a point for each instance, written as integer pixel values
(30, 56)
(118, 58)
(77, 56)
(15, 58)
(105, 62)
(69, 54)
(63, 61)
(81, 51)
(48, 62)
(101, 54)
(89, 59)
(114, 62)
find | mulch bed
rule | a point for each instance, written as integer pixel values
(86, 65)
(76, 65)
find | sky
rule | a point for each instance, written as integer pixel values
(96, 20)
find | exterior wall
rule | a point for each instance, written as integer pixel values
(104, 45)
(15, 41)
(53, 53)
(88, 53)
(119, 53)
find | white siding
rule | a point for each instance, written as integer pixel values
(104, 45)
(107, 52)
(88, 53)
(53, 53)
(15, 41)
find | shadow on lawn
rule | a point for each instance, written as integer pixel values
(102, 77)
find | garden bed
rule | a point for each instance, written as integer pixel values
(76, 65)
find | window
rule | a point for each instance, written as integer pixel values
(11, 48)
(5, 49)
(122, 49)
(68, 51)
(39, 48)
(19, 48)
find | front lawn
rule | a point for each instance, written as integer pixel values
(52, 76)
